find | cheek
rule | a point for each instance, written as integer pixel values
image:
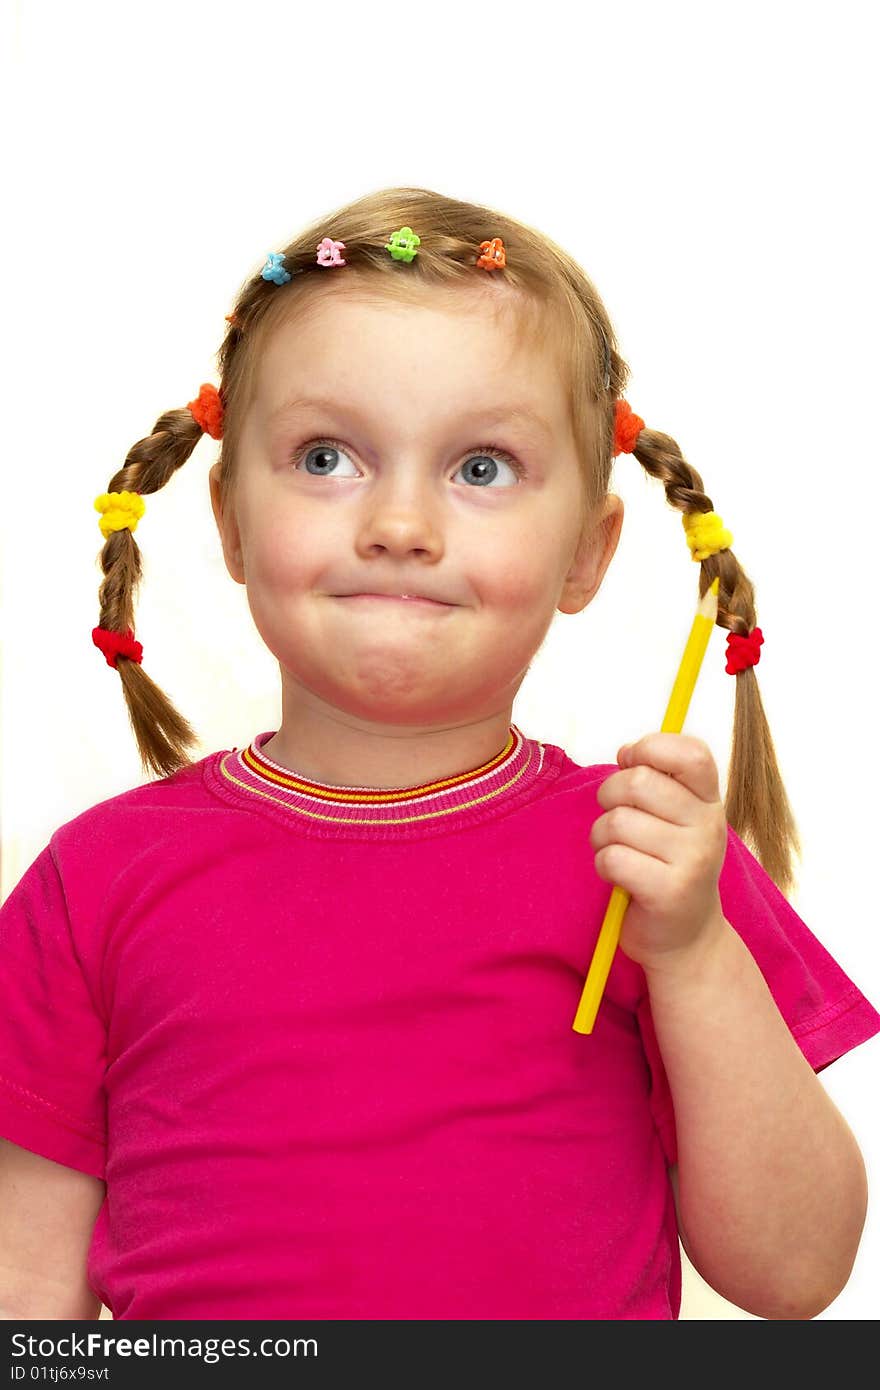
(520, 574)
(282, 553)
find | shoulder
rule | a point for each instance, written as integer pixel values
(135, 841)
(165, 809)
(578, 783)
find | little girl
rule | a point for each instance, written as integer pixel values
(287, 1032)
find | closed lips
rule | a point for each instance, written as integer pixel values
(413, 601)
(410, 598)
(398, 598)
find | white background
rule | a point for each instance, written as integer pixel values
(713, 168)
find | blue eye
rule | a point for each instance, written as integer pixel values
(319, 454)
(323, 460)
(486, 454)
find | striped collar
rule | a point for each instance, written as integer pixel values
(248, 776)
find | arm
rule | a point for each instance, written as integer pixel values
(47, 1215)
(771, 1184)
(771, 1188)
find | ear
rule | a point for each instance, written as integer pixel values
(596, 546)
(227, 525)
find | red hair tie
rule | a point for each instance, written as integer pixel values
(743, 651)
(627, 427)
(115, 644)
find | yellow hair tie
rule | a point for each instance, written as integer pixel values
(706, 534)
(120, 509)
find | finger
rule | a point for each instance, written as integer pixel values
(689, 760)
(644, 877)
(626, 825)
(658, 793)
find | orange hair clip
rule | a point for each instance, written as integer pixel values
(493, 255)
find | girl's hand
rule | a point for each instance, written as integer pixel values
(663, 840)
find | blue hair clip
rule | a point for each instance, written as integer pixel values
(273, 269)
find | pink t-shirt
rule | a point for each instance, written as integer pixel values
(318, 1042)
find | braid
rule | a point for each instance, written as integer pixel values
(162, 734)
(756, 805)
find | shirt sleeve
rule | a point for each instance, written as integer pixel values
(826, 1013)
(52, 1038)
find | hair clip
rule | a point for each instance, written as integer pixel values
(328, 252)
(606, 352)
(403, 244)
(494, 256)
(273, 269)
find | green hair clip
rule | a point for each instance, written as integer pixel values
(403, 244)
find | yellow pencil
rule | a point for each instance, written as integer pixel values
(673, 719)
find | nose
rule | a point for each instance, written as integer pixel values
(401, 518)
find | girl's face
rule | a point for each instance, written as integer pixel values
(405, 450)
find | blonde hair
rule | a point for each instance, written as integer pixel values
(549, 298)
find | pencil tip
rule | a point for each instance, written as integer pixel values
(709, 601)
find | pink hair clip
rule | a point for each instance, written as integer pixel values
(328, 252)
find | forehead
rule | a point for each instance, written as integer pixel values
(353, 343)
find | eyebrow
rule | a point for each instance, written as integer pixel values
(518, 415)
